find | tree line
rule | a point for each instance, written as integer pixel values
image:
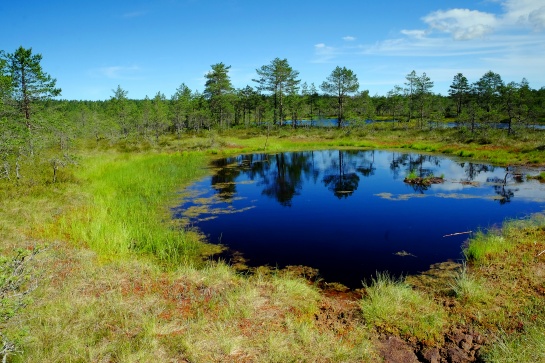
(486, 102)
(34, 120)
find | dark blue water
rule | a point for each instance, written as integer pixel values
(349, 213)
(334, 122)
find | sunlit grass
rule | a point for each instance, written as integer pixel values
(540, 177)
(510, 268)
(412, 175)
(484, 245)
(129, 309)
(500, 149)
(127, 206)
(393, 306)
(82, 313)
(469, 289)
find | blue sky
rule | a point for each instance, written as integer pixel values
(146, 47)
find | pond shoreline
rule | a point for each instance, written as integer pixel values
(234, 204)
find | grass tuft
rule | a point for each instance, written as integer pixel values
(482, 246)
(540, 177)
(393, 306)
(469, 289)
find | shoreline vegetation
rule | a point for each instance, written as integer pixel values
(94, 269)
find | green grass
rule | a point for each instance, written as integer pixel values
(394, 307)
(525, 346)
(506, 270)
(469, 289)
(412, 175)
(483, 246)
(102, 299)
(540, 177)
(127, 206)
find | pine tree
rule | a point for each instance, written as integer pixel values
(341, 83)
(30, 84)
(278, 78)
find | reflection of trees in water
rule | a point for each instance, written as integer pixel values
(419, 187)
(314, 172)
(398, 162)
(281, 175)
(366, 167)
(414, 163)
(256, 165)
(472, 170)
(284, 182)
(340, 177)
(501, 189)
(515, 174)
(224, 178)
(227, 170)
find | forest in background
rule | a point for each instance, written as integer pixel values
(36, 123)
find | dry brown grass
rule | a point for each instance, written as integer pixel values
(129, 310)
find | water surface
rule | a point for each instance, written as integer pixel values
(349, 213)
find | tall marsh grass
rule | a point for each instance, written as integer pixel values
(127, 206)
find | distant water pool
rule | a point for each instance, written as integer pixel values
(349, 213)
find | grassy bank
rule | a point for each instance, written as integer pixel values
(115, 280)
(126, 207)
(495, 147)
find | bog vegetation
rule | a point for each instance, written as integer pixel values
(93, 269)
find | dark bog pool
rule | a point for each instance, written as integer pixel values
(349, 213)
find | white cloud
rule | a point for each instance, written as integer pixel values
(462, 24)
(466, 24)
(537, 18)
(349, 38)
(494, 36)
(419, 34)
(509, 41)
(119, 72)
(423, 46)
(525, 13)
(324, 53)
